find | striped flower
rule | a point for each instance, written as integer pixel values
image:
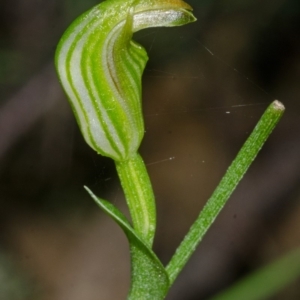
(100, 69)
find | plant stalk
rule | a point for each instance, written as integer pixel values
(139, 196)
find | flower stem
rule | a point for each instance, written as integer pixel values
(139, 196)
(225, 188)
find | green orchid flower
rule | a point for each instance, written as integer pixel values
(100, 69)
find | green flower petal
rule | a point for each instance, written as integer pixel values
(100, 69)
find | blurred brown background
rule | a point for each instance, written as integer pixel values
(204, 89)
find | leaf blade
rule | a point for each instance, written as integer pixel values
(265, 282)
(149, 278)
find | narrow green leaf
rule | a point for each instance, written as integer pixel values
(149, 278)
(229, 182)
(265, 282)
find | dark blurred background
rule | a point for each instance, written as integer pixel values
(204, 89)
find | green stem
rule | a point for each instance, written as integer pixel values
(225, 188)
(139, 196)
